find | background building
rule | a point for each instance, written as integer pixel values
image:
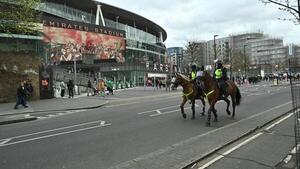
(259, 53)
(176, 58)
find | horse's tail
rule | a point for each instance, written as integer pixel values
(238, 96)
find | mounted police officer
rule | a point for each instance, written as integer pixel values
(196, 73)
(193, 72)
(220, 74)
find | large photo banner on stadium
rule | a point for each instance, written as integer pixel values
(72, 40)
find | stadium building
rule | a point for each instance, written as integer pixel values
(99, 39)
(109, 42)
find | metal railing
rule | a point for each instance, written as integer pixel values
(295, 90)
(66, 12)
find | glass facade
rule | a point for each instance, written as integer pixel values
(67, 12)
(138, 43)
(143, 49)
(81, 16)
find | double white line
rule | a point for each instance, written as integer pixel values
(6, 141)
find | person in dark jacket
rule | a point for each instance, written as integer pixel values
(70, 88)
(21, 96)
(89, 88)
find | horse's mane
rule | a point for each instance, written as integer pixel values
(207, 73)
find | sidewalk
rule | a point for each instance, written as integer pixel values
(10, 115)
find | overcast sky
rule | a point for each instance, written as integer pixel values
(186, 20)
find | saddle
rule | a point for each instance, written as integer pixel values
(199, 88)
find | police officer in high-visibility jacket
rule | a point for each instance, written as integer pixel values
(220, 74)
(193, 72)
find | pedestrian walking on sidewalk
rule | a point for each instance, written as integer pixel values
(21, 96)
(94, 87)
(89, 88)
(28, 87)
(109, 85)
(71, 88)
(62, 88)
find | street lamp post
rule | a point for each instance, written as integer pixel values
(245, 66)
(75, 70)
(215, 50)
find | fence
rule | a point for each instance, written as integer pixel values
(295, 90)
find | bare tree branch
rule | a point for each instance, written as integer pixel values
(287, 6)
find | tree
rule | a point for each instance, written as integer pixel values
(19, 17)
(194, 52)
(290, 6)
(238, 60)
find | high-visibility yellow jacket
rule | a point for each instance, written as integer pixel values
(218, 73)
(193, 75)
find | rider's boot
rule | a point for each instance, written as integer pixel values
(222, 95)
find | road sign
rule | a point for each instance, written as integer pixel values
(290, 50)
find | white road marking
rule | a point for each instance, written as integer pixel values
(247, 140)
(144, 112)
(194, 165)
(124, 104)
(50, 115)
(192, 139)
(52, 135)
(230, 150)
(279, 121)
(167, 112)
(287, 159)
(102, 123)
(3, 141)
(293, 150)
(48, 131)
(41, 117)
(149, 111)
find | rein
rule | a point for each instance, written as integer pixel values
(187, 94)
(209, 93)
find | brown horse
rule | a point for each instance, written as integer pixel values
(190, 92)
(212, 93)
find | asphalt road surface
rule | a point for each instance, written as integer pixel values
(136, 127)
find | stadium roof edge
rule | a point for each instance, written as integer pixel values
(111, 12)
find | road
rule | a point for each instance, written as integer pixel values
(135, 128)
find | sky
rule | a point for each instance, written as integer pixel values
(200, 20)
